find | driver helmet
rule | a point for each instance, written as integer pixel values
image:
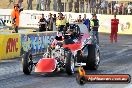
(70, 30)
(59, 35)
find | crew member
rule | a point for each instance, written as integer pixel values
(114, 29)
(54, 18)
(61, 22)
(86, 21)
(50, 22)
(94, 23)
(42, 24)
(15, 14)
(79, 20)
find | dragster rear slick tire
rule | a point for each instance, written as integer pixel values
(93, 56)
(27, 63)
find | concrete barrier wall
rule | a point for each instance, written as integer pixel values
(14, 45)
(9, 46)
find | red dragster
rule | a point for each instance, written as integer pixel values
(73, 48)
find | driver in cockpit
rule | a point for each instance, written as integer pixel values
(68, 38)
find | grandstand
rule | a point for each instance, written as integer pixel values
(108, 7)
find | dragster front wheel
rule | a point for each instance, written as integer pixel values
(27, 63)
(70, 63)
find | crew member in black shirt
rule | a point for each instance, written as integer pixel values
(42, 24)
(94, 23)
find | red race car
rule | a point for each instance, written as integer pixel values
(70, 49)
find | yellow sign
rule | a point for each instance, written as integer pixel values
(10, 46)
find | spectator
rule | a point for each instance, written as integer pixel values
(103, 7)
(81, 6)
(116, 8)
(20, 3)
(10, 1)
(87, 6)
(47, 2)
(38, 4)
(121, 9)
(125, 9)
(42, 24)
(76, 6)
(70, 3)
(92, 5)
(109, 8)
(59, 5)
(50, 22)
(55, 5)
(112, 6)
(43, 5)
(129, 7)
(29, 3)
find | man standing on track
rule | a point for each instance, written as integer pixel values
(15, 17)
(114, 29)
(86, 21)
(79, 20)
(50, 22)
(61, 22)
(94, 23)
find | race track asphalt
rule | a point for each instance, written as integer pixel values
(116, 58)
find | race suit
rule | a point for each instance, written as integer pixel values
(114, 29)
(15, 19)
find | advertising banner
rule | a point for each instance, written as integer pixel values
(36, 42)
(9, 46)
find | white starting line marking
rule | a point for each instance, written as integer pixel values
(121, 51)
